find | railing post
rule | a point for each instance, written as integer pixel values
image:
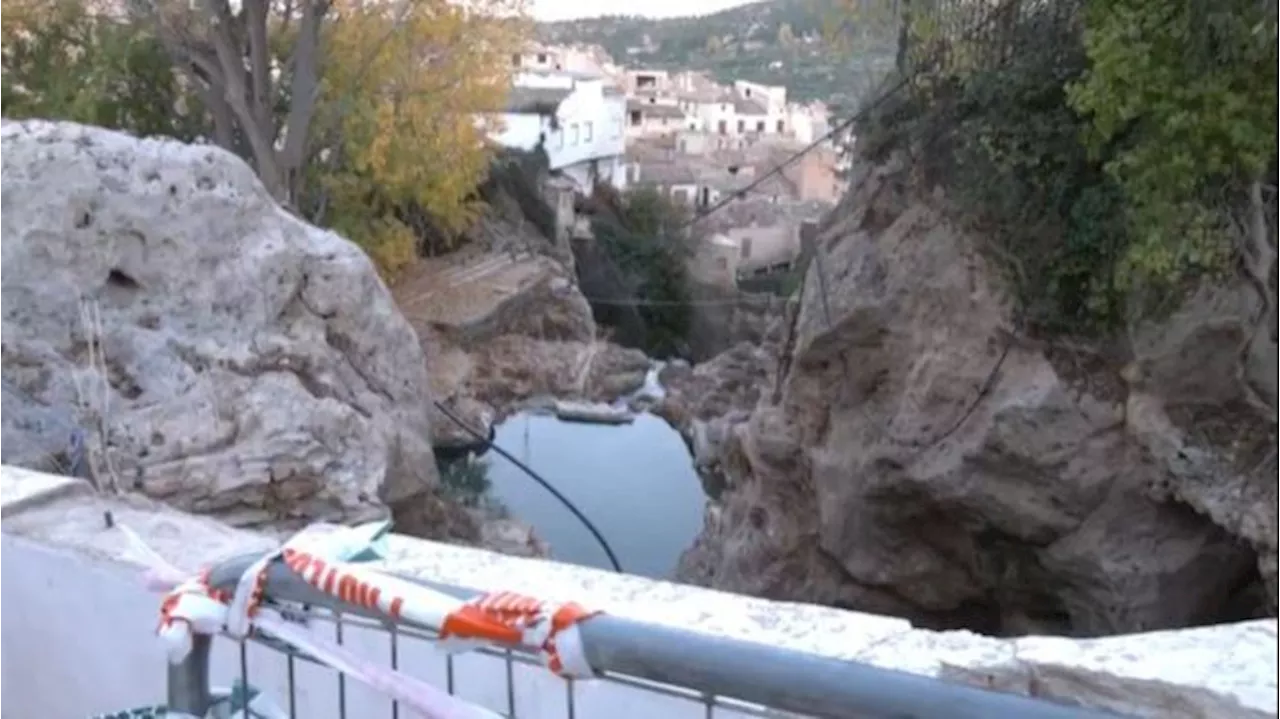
(188, 691)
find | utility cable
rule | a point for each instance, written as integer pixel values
(482, 439)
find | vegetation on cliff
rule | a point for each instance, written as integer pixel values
(647, 237)
(1114, 161)
(357, 116)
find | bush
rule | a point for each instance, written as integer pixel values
(1087, 158)
(1055, 219)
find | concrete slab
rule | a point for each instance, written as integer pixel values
(86, 523)
(22, 489)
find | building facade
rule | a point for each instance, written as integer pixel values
(576, 119)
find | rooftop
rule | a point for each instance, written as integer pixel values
(575, 74)
(536, 100)
(654, 110)
(745, 106)
(667, 173)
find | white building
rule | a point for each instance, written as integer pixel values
(579, 59)
(575, 118)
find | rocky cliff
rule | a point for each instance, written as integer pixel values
(921, 457)
(169, 329)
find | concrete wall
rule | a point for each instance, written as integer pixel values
(589, 123)
(78, 631)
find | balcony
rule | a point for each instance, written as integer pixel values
(79, 631)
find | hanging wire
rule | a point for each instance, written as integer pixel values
(486, 442)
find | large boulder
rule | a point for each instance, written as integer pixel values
(164, 315)
(923, 458)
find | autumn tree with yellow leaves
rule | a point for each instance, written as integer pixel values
(365, 116)
(357, 113)
(404, 120)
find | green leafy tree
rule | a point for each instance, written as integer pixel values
(647, 235)
(1182, 101)
(61, 60)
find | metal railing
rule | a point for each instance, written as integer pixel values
(725, 676)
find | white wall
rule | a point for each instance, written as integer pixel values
(79, 640)
(590, 126)
(774, 97)
(78, 630)
(522, 130)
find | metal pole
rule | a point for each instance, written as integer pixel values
(758, 673)
(188, 690)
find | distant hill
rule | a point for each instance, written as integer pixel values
(781, 42)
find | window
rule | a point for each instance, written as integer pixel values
(760, 126)
(723, 127)
(635, 118)
(724, 108)
(542, 58)
(746, 91)
(745, 247)
(586, 132)
(742, 126)
(515, 60)
(573, 134)
(781, 125)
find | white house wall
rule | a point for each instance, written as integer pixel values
(586, 140)
(522, 131)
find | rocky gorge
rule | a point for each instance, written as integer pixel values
(890, 442)
(899, 447)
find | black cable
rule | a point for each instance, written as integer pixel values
(479, 437)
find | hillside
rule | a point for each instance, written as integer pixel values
(785, 42)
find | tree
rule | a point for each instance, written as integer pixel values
(358, 114)
(245, 62)
(1182, 101)
(647, 236)
(402, 116)
(66, 59)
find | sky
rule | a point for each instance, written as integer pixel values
(569, 9)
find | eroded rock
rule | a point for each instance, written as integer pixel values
(218, 353)
(923, 459)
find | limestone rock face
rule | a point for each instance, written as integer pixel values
(203, 345)
(924, 459)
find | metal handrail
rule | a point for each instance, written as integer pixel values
(779, 678)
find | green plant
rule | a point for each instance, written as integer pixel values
(1004, 142)
(647, 236)
(1104, 167)
(1182, 103)
(466, 481)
